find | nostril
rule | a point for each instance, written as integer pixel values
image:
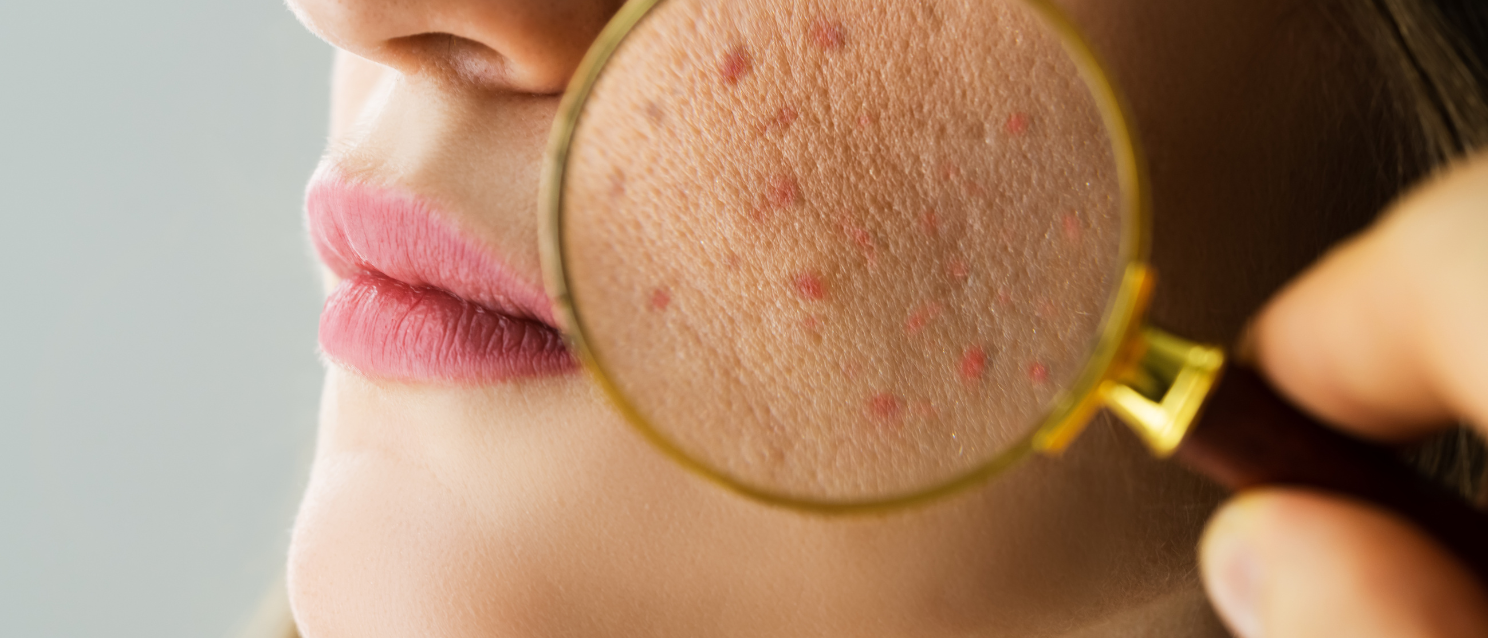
(453, 57)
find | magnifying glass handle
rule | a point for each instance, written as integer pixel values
(1247, 436)
(1225, 422)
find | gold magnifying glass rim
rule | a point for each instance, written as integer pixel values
(1116, 349)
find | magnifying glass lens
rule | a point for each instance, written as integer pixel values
(842, 252)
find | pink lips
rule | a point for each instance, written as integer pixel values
(420, 302)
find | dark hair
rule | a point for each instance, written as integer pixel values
(1433, 52)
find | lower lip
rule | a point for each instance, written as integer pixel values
(387, 329)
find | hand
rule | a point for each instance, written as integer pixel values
(1387, 338)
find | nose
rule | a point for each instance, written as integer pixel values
(528, 46)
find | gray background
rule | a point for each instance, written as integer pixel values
(158, 376)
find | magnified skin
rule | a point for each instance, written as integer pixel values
(886, 237)
(529, 508)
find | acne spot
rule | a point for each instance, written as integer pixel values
(655, 113)
(885, 406)
(828, 34)
(661, 298)
(782, 191)
(810, 287)
(860, 238)
(785, 117)
(949, 171)
(1071, 225)
(617, 184)
(1017, 124)
(736, 64)
(922, 317)
(958, 269)
(732, 261)
(973, 363)
(931, 223)
(812, 323)
(780, 121)
(1038, 373)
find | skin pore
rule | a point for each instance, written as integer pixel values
(530, 508)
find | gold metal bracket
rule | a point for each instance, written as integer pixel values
(1160, 395)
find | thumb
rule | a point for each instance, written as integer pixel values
(1290, 563)
(1384, 337)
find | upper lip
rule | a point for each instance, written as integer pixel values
(360, 228)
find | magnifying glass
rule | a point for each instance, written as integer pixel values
(844, 257)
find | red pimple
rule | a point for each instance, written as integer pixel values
(1017, 124)
(865, 120)
(735, 65)
(660, 299)
(958, 268)
(782, 191)
(780, 121)
(1038, 373)
(655, 113)
(950, 171)
(617, 184)
(1071, 225)
(885, 406)
(973, 363)
(860, 237)
(828, 34)
(923, 316)
(930, 222)
(812, 323)
(810, 286)
(786, 116)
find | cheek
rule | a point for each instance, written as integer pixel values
(355, 83)
(382, 547)
(929, 252)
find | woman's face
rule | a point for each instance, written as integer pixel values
(457, 494)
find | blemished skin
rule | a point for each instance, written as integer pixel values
(529, 508)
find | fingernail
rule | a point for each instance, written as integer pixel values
(1232, 574)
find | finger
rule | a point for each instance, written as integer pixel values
(1388, 335)
(1291, 563)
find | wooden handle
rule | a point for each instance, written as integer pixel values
(1247, 436)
